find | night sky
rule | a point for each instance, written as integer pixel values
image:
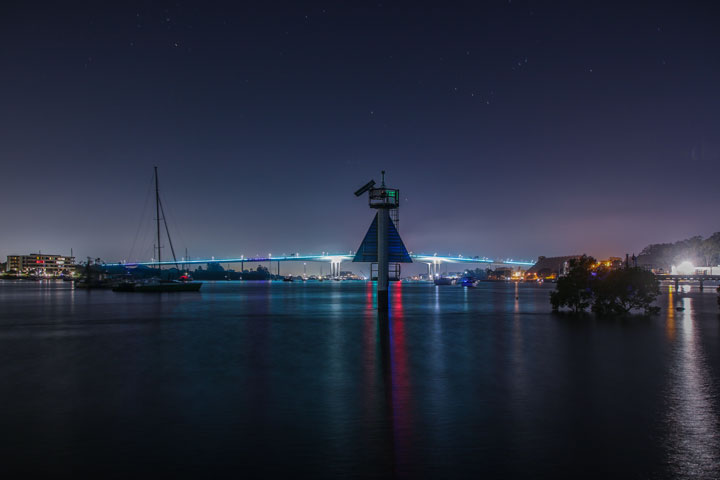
(512, 129)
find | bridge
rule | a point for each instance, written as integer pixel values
(691, 278)
(335, 259)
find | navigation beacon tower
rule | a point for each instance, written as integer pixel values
(382, 245)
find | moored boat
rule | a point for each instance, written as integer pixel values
(159, 285)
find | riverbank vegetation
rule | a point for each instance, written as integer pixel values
(697, 250)
(605, 291)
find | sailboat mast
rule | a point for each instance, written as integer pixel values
(157, 216)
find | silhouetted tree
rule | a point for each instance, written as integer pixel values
(620, 291)
(711, 249)
(574, 290)
(479, 273)
(261, 273)
(609, 292)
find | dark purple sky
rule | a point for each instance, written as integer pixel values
(513, 129)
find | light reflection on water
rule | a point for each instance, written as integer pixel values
(694, 438)
(307, 379)
(671, 314)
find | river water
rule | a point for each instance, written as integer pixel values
(263, 379)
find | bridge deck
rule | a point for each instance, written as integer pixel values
(328, 258)
(688, 277)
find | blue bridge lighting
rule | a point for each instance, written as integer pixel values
(340, 257)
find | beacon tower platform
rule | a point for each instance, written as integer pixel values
(382, 243)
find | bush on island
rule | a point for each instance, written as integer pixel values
(607, 292)
(574, 289)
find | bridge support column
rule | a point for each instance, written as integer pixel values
(335, 268)
(677, 284)
(701, 284)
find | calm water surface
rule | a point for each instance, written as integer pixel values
(290, 379)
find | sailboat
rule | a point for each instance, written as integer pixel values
(157, 284)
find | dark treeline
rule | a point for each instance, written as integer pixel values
(604, 290)
(214, 271)
(478, 273)
(698, 250)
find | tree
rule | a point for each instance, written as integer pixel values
(479, 273)
(696, 250)
(690, 249)
(574, 290)
(659, 254)
(261, 273)
(711, 249)
(620, 291)
(610, 292)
